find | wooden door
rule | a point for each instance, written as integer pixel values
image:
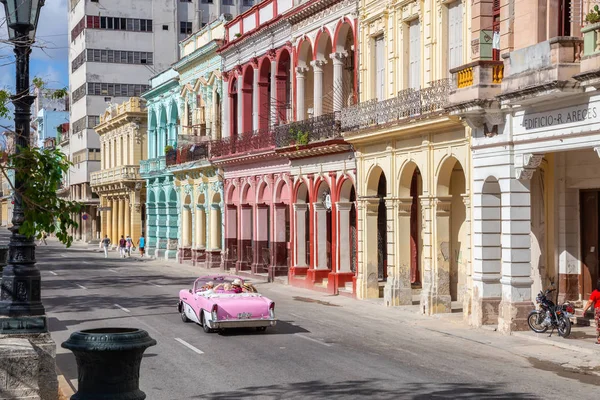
(414, 57)
(589, 241)
(455, 30)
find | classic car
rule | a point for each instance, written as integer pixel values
(217, 309)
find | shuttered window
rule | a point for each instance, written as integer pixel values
(414, 54)
(455, 37)
(379, 68)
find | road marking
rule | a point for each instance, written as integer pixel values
(189, 346)
(53, 273)
(112, 270)
(63, 255)
(87, 262)
(311, 339)
(80, 287)
(155, 284)
(122, 308)
(295, 315)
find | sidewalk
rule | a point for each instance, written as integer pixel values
(581, 341)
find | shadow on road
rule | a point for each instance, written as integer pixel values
(372, 389)
(282, 328)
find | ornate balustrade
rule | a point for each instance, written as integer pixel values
(475, 86)
(153, 165)
(259, 140)
(117, 174)
(408, 104)
(188, 152)
(307, 131)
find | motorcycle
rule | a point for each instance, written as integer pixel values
(551, 315)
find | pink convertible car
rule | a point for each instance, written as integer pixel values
(216, 305)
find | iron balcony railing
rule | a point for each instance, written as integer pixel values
(408, 104)
(258, 140)
(311, 130)
(188, 152)
(116, 174)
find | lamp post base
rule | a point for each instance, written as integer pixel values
(23, 325)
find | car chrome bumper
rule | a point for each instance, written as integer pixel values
(242, 323)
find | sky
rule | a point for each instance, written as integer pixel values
(50, 55)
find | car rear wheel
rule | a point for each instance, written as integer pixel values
(205, 326)
(184, 317)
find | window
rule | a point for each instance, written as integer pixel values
(380, 61)
(207, 1)
(143, 25)
(247, 3)
(109, 23)
(227, 2)
(102, 22)
(78, 61)
(414, 54)
(78, 29)
(123, 24)
(185, 27)
(455, 46)
(78, 93)
(165, 27)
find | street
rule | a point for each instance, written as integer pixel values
(322, 347)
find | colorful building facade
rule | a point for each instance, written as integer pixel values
(162, 198)
(413, 163)
(198, 182)
(121, 189)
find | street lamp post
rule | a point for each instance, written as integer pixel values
(21, 309)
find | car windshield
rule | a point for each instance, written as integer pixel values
(222, 284)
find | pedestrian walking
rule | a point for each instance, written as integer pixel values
(105, 243)
(595, 302)
(122, 246)
(129, 245)
(141, 244)
(43, 237)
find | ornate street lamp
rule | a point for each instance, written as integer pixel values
(21, 309)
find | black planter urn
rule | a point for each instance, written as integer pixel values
(108, 362)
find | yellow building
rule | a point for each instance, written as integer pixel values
(122, 192)
(412, 158)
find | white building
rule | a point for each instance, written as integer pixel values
(113, 52)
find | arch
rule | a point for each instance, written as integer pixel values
(162, 196)
(187, 200)
(201, 199)
(284, 101)
(344, 43)
(233, 106)
(152, 119)
(302, 192)
(342, 30)
(373, 179)
(323, 45)
(247, 194)
(264, 92)
(282, 192)
(173, 112)
(305, 57)
(216, 198)
(247, 94)
(444, 174)
(173, 196)
(151, 196)
(346, 191)
(322, 186)
(233, 194)
(304, 52)
(263, 194)
(405, 178)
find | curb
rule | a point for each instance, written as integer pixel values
(566, 346)
(64, 386)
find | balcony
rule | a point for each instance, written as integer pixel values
(115, 175)
(545, 69)
(187, 152)
(246, 143)
(475, 87)
(153, 165)
(590, 61)
(408, 105)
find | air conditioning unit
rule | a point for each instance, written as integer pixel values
(228, 16)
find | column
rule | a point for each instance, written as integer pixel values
(343, 245)
(245, 237)
(240, 107)
(185, 226)
(273, 99)
(318, 81)
(225, 110)
(402, 290)
(255, 100)
(136, 221)
(338, 80)
(320, 236)
(151, 143)
(200, 227)
(127, 217)
(516, 256)
(300, 210)
(104, 215)
(279, 243)
(261, 238)
(121, 218)
(114, 237)
(368, 286)
(441, 299)
(300, 106)
(467, 292)
(215, 226)
(427, 257)
(391, 290)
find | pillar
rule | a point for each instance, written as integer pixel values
(215, 226)
(136, 221)
(320, 236)
(121, 218)
(185, 226)
(260, 242)
(516, 256)
(255, 100)
(273, 99)
(127, 218)
(245, 237)
(300, 80)
(441, 299)
(115, 223)
(318, 82)
(367, 284)
(427, 254)
(104, 215)
(397, 289)
(338, 80)
(300, 210)
(200, 227)
(343, 244)
(467, 292)
(225, 110)
(240, 107)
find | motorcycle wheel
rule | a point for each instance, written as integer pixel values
(564, 326)
(535, 320)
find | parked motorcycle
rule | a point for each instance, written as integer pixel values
(551, 315)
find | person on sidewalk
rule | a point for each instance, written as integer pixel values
(105, 243)
(595, 301)
(43, 237)
(129, 245)
(141, 244)
(122, 246)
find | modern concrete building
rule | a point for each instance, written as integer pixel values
(122, 191)
(113, 52)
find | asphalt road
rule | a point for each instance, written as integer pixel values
(340, 349)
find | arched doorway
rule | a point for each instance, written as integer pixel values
(246, 229)
(381, 230)
(186, 224)
(410, 240)
(233, 106)
(302, 224)
(283, 86)
(304, 81)
(262, 240)
(323, 72)
(281, 229)
(247, 101)
(347, 228)
(451, 243)
(264, 93)
(323, 226)
(232, 202)
(213, 257)
(171, 133)
(200, 222)
(344, 78)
